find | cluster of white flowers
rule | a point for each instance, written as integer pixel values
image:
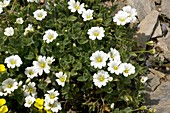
(76, 6)
(4, 4)
(13, 61)
(126, 15)
(51, 101)
(98, 60)
(8, 86)
(30, 89)
(39, 66)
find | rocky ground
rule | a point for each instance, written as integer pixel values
(154, 25)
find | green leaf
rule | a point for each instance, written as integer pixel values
(30, 56)
(42, 85)
(71, 18)
(82, 78)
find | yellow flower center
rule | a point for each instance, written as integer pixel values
(99, 59)
(30, 102)
(122, 19)
(40, 15)
(77, 7)
(115, 67)
(126, 71)
(30, 90)
(88, 16)
(13, 62)
(52, 96)
(96, 33)
(42, 64)
(31, 73)
(62, 79)
(9, 85)
(51, 37)
(101, 78)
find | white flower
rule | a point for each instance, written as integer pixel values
(9, 31)
(9, 85)
(61, 78)
(87, 15)
(54, 107)
(28, 29)
(29, 100)
(121, 18)
(41, 65)
(13, 61)
(98, 59)
(101, 78)
(31, 72)
(40, 14)
(51, 96)
(30, 89)
(131, 11)
(32, 1)
(50, 60)
(76, 6)
(114, 67)
(127, 68)
(114, 55)
(19, 20)
(96, 32)
(5, 3)
(50, 35)
(1, 10)
(2, 92)
(143, 79)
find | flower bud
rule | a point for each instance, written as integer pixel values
(150, 43)
(99, 20)
(143, 79)
(143, 107)
(28, 80)
(112, 105)
(152, 51)
(110, 79)
(20, 83)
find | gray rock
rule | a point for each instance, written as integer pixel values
(157, 73)
(153, 82)
(158, 1)
(160, 98)
(146, 27)
(167, 38)
(143, 7)
(165, 6)
(158, 31)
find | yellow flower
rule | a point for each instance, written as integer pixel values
(39, 103)
(2, 102)
(47, 111)
(3, 109)
(2, 68)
